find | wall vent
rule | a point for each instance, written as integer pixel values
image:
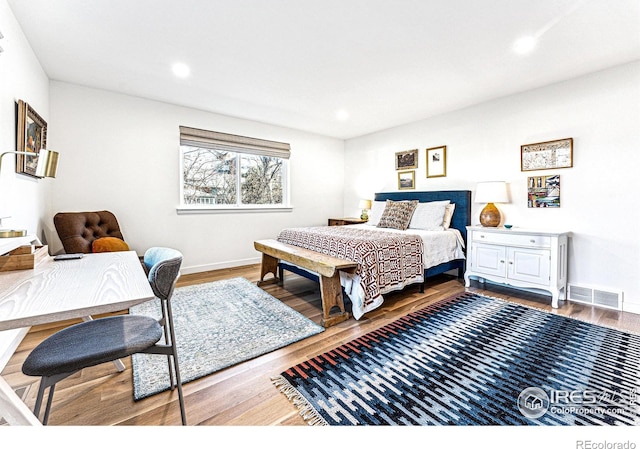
(611, 299)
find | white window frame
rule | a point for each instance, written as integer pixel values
(240, 145)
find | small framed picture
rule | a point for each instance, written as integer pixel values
(407, 159)
(32, 137)
(406, 180)
(437, 162)
(547, 155)
(543, 191)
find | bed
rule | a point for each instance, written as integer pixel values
(389, 258)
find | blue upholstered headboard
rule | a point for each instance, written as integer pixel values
(462, 199)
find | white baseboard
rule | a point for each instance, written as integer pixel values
(631, 307)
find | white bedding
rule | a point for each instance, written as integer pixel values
(439, 247)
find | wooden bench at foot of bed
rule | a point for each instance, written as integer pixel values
(327, 267)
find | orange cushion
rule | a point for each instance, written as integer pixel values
(109, 244)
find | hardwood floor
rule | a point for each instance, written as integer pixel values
(243, 395)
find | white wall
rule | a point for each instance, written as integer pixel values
(22, 197)
(599, 197)
(120, 153)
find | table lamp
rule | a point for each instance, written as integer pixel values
(491, 192)
(365, 205)
(47, 163)
(46, 167)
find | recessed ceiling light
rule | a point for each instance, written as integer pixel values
(524, 45)
(342, 115)
(181, 70)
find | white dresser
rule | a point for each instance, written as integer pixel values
(519, 257)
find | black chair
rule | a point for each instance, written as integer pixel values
(107, 339)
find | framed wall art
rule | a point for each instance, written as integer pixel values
(543, 191)
(406, 180)
(436, 162)
(547, 155)
(407, 159)
(31, 137)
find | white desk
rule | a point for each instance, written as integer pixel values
(57, 291)
(9, 340)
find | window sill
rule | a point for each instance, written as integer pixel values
(186, 210)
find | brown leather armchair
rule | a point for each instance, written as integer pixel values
(78, 230)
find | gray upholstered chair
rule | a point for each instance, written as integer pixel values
(107, 339)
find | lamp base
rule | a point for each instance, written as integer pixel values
(12, 233)
(364, 215)
(490, 216)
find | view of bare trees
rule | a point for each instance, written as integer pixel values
(211, 177)
(262, 182)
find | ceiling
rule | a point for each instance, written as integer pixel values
(296, 63)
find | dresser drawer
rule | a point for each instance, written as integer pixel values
(530, 241)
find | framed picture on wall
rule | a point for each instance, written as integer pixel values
(407, 159)
(31, 137)
(437, 162)
(543, 191)
(406, 180)
(547, 155)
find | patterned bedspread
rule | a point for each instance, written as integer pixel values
(386, 261)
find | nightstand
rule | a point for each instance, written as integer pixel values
(345, 221)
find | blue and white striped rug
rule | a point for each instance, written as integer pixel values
(473, 360)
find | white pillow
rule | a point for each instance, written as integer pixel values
(429, 216)
(377, 208)
(448, 215)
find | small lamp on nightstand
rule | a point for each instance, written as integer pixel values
(365, 205)
(491, 192)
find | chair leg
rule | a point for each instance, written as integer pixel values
(183, 412)
(47, 381)
(47, 409)
(172, 378)
(176, 366)
(44, 383)
(169, 339)
(36, 409)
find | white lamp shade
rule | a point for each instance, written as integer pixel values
(365, 204)
(492, 192)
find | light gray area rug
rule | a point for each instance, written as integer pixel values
(218, 324)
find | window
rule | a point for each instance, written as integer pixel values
(225, 171)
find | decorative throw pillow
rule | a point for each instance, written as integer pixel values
(109, 244)
(377, 208)
(429, 216)
(397, 214)
(448, 215)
